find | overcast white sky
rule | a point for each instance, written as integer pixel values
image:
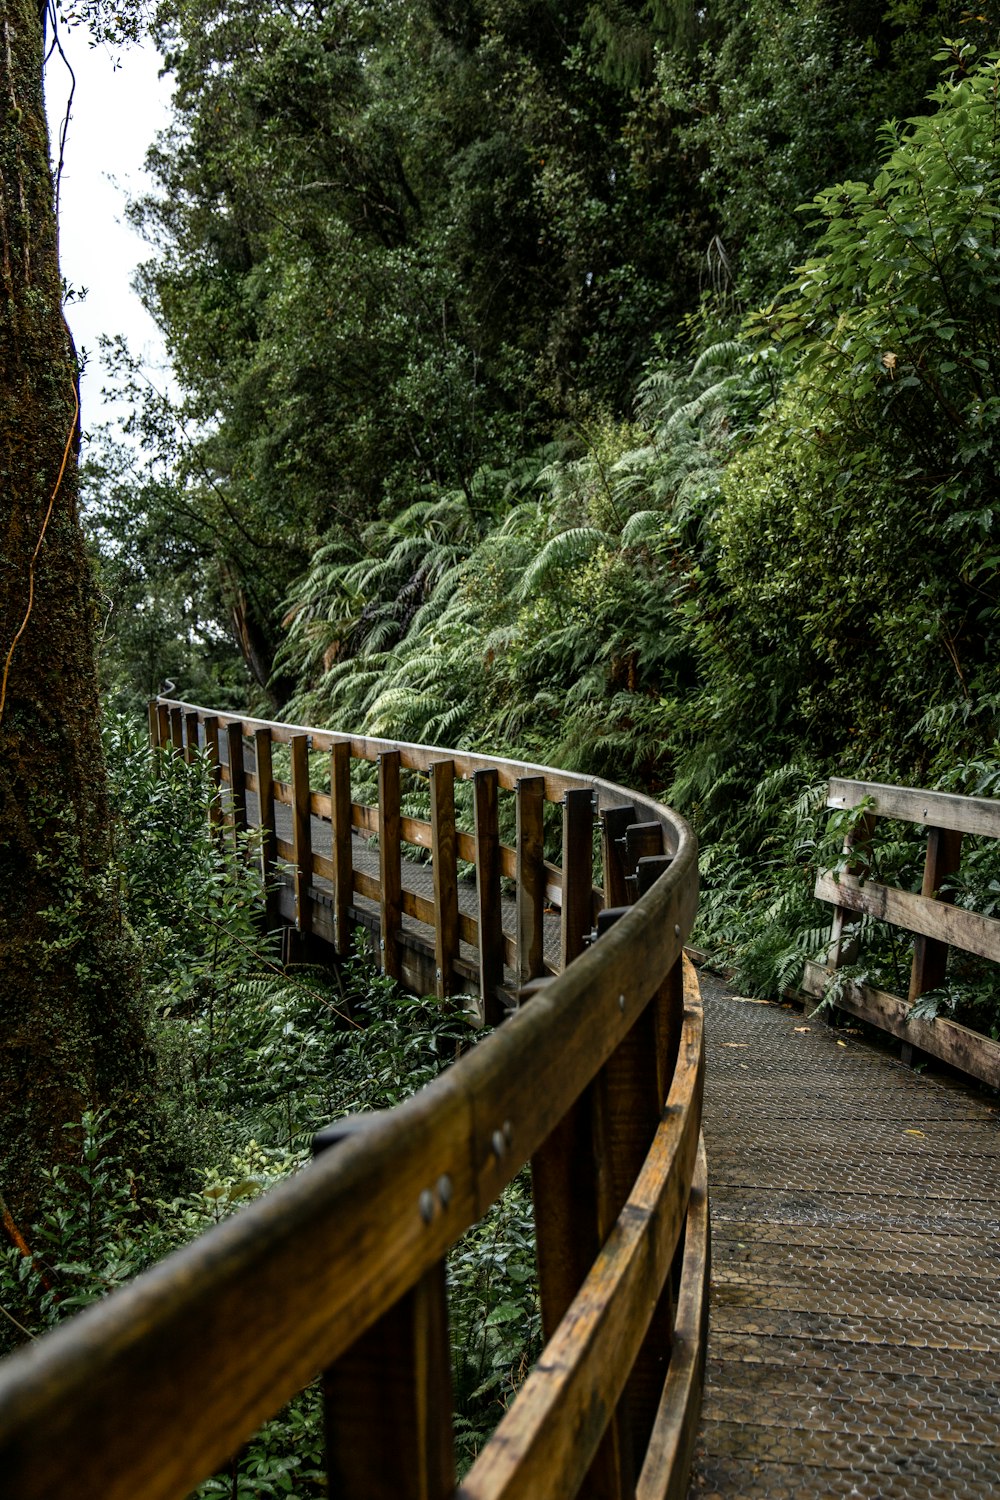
(118, 106)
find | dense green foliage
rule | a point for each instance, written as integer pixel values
(253, 1059)
(402, 244)
(480, 446)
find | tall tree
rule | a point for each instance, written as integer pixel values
(70, 1034)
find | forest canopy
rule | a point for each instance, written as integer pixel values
(611, 383)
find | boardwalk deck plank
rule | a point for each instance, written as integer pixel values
(855, 1321)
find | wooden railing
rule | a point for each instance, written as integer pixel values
(936, 923)
(594, 1077)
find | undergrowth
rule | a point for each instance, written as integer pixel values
(253, 1059)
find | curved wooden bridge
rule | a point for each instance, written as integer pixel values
(855, 1332)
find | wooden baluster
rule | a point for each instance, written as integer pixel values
(614, 822)
(388, 1399)
(268, 832)
(577, 873)
(639, 1078)
(237, 779)
(153, 719)
(163, 725)
(390, 861)
(486, 793)
(642, 840)
(444, 843)
(844, 934)
(930, 956)
(214, 761)
(581, 1179)
(649, 869)
(191, 737)
(177, 729)
(301, 832)
(574, 1204)
(530, 792)
(342, 840)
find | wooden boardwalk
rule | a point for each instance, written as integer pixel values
(417, 877)
(854, 1345)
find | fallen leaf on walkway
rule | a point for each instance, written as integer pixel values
(802, 1028)
(913, 1132)
(736, 1044)
(841, 1044)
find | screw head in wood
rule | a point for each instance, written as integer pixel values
(499, 1144)
(621, 1003)
(677, 929)
(427, 1205)
(444, 1190)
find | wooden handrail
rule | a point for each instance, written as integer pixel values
(936, 924)
(594, 1076)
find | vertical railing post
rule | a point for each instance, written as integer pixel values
(388, 1399)
(930, 956)
(301, 832)
(844, 925)
(153, 719)
(577, 873)
(390, 861)
(642, 841)
(342, 844)
(264, 769)
(530, 896)
(215, 764)
(636, 1081)
(177, 729)
(444, 844)
(163, 725)
(237, 779)
(191, 737)
(574, 1211)
(485, 786)
(614, 821)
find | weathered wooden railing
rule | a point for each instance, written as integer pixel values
(594, 1076)
(936, 923)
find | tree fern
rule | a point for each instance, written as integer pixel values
(559, 552)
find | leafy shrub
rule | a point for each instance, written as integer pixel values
(253, 1060)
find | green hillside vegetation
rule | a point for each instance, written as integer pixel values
(526, 408)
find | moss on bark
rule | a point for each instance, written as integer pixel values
(71, 1028)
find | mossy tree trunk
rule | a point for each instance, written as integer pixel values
(71, 1035)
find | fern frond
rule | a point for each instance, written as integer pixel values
(562, 551)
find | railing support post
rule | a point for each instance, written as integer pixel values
(190, 737)
(342, 844)
(153, 720)
(445, 873)
(163, 725)
(388, 1400)
(614, 822)
(212, 751)
(237, 779)
(264, 770)
(930, 957)
(530, 794)
(490, 925)
(390, 861)
(577, 873)
(301, 832)
(843, 944)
